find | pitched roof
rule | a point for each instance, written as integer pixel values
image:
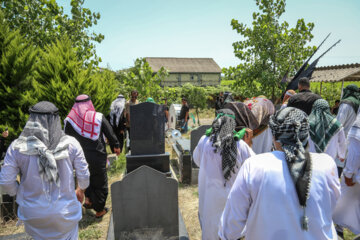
(337, 73)
(184, 65)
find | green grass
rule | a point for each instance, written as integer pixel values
(348, 235)
(119, 165)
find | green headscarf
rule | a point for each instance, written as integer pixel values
(149, 99)
(323, 125)
(351, 95)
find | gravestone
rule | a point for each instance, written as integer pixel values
(182, 150)
(147, 130)
(147, 138)
(195, 136)
(174, 113)
(145, 201)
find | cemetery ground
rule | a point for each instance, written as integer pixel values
(93, 228)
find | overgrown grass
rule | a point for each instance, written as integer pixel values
(118, 166)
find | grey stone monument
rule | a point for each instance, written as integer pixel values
(195, 136)
(147, 138)
(144, 206)
(147, 130)
(182, 150)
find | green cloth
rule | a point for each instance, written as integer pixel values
(323, 125)
(351, 95)
(150, 100)
(237, 135)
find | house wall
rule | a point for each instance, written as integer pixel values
(198, 79)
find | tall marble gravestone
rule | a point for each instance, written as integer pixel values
(145, 206)
(147, 138)
(174, 113)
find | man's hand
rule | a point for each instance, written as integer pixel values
(80, 194)
(117, 151)
(248, 137)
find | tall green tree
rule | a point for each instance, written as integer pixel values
(60, 77)
(142, 78)
(268, 50)
(44, 21)
(17, 63)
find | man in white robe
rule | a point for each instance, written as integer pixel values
(326, 132)
(45, 158)
(217, 174)
(285, 194)
(348, 109)
(347, 211)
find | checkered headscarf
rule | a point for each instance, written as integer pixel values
(323, 125)
(223, 141)
(290, 127)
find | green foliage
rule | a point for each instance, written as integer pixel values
(118, 166)
(196, 97)
(44, 21)
(268, 49)
(330, 91)
(17, 61)
(60, 77)
(142, 78)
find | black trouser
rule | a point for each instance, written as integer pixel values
(98, 189)
(120, 138)
(340, 170)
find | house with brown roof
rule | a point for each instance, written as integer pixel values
(197, 71)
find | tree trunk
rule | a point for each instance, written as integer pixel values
(197, 115)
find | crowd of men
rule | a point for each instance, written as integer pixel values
(264, 174)
(267, 174)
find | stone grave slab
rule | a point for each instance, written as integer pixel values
(160, 162)
(147, 130)
(145, 199)
(182, 150)
(195, 136)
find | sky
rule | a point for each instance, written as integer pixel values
(201, 28)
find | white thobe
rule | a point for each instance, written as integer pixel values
(336, 146)
(264, 199)
(54, 215)
(346, 115)
(347, 211)
(212, 192)
(262, 143)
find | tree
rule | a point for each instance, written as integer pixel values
(44, 21)
(196, 97)
(268, 51)
(17, 63)
(60, 77)
(142, 78)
